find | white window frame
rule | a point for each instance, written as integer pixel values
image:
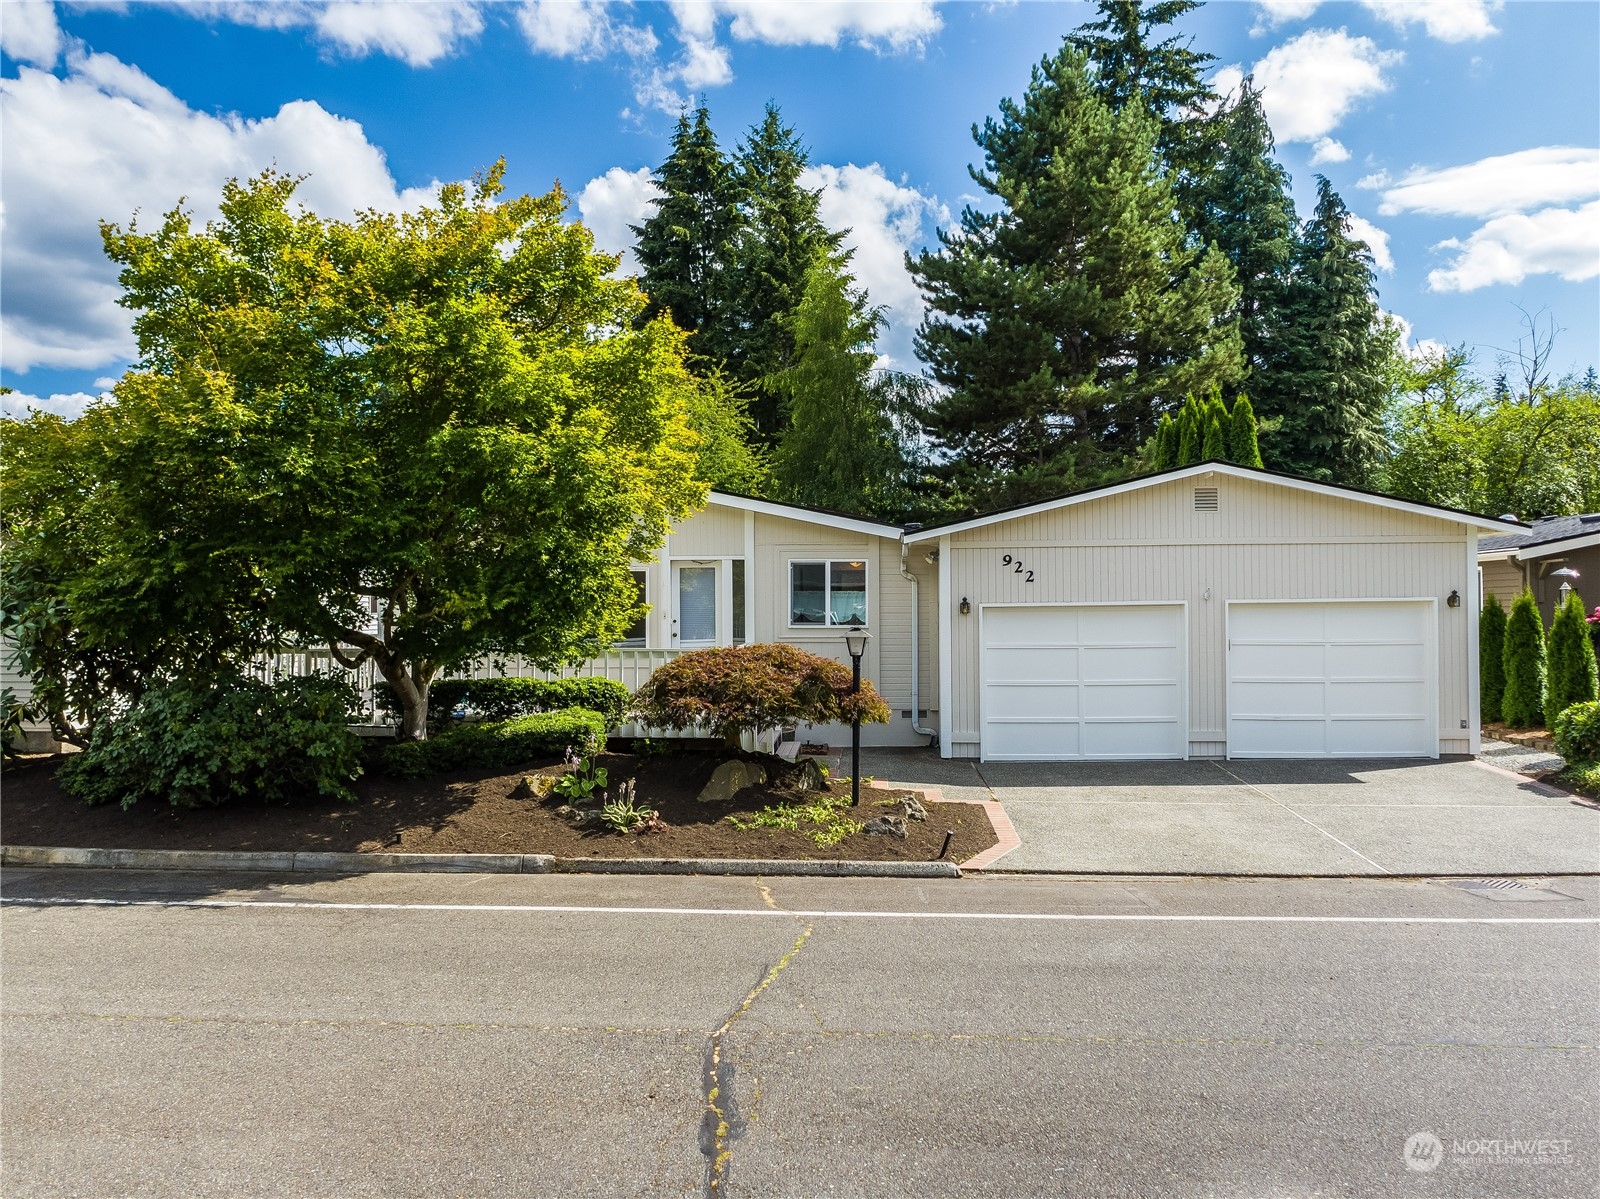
(827, 590)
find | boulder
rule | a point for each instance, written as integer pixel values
(912, 807)
(534, 786)
(730, 778)
(886, 826)
(808, 776)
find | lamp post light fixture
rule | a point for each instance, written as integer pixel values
(855, 641)
(1566, 574)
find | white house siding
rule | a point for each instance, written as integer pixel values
(1264, 542)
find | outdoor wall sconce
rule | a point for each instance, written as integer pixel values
(966, 606)
(1455, 599)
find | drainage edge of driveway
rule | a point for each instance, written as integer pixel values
(317, 862)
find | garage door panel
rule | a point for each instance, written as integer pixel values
(1130, 740)
(1037, 741)
(1278, 622)
(1282, 698)
(1007, 702)
(1130, 625)
(1374, 738)
(1357, 622)
(1030, 626)
(1113, 664)
(1377, 661)
(1033, 665)
(1392, 700)
(1288, 737)
(1278, 661)
(1121, 701)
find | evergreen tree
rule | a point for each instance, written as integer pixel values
(1242, 445)
(779, 239)
(1165, 456)
(1058, 323)
(1523, 654)
(1215, 447)
(1572, 678)
(1330, 381)
(684, 248)
(1190, 432)
(1491, 658)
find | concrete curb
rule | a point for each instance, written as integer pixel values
(455, 863)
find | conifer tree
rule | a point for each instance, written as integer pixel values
(1242, 445)
(1190, 433)
(1059, 322)
(1523, 704)
(1165, 455)
(1215, 447)
(1491, 658)
(1572, 677)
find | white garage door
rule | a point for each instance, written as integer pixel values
(1069, 681)
(1331, 680)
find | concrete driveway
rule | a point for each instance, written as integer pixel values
(1267, 818)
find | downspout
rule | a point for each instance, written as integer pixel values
(916, 606)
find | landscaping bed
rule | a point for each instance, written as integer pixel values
(474, 811)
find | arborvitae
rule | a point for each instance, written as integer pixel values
(1523, 655)
(779, 240)
(1329, 382)
(1215, 447)
(1190, 433)
(1491, 658)
(684, 248)
(1058, 321)
(1242, 445)
(1572, 678)
(1166, 447)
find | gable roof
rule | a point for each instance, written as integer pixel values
(1455, 515)
(815, 516)
(1548, 535)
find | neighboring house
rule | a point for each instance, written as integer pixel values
(1509, 563)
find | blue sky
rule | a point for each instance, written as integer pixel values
(1462, 133)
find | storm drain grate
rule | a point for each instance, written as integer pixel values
(1508, 888)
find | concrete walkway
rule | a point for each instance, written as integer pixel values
(1267, 818)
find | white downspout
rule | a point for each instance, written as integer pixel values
(916, 606)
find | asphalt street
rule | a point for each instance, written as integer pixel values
(393, 1035)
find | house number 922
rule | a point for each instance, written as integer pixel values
(1016, 568)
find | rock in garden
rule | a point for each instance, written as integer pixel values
(912, 807)
(730, 778)
(533, 786)
(808, 776)
(886, 826)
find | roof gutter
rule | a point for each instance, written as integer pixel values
(916, 644)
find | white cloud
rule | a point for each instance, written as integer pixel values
(417, 32)
(703, 64)
(19, 405)
(107, 140)
(1447, 20)
(892, 24)
(1417, 351)
(1227, 80)
(1311, 82)
(580, 29)
(1328, 149)
(885, 219)
(29, 33)
(1554, 241)
(1377, 241)
(613, 202)
(1497, 186)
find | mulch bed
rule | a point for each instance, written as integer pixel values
(474, 812)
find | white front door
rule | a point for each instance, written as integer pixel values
(1350, 679)
(694, 614)
(1070, 681)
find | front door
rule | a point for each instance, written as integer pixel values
(694, 622)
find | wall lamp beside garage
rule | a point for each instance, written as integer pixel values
(1454, 600)
(966, 606)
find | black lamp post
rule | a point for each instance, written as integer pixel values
(856, 642)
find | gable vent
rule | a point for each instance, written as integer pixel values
(1205, 499)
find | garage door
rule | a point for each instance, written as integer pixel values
(1331, 680)
(1069, 681)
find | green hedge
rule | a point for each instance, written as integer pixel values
(500, 743)
(1491, 658)
(1577, 733)
(1523, 704)
(195, 746)
(503, 699)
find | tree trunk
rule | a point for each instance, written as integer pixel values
(413, 705)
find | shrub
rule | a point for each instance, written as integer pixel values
(1491, 657)
(747, 688)
(501, 743)
(199, 746)
(1572, 677)
(1577, 733)
(1523, 655)
(503, 699)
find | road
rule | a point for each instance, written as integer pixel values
(394, 1035)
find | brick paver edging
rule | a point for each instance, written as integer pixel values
(1006, 835)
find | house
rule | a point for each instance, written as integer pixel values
(1531, 557)
(1210, 611)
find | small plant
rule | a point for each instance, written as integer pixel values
(584, 780)
(1577, 733)
(624, 814)
(826, 814)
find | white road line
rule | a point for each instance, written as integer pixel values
(787, 913)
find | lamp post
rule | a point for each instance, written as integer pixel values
(1566, 574)
(855, 641)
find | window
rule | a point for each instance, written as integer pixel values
(636, 635)
(827, 593)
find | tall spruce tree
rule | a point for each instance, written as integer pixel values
(1329, 383)
(684, 247)
(1064, 323)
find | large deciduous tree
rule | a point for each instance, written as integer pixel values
(1064, 322)
(415, 437)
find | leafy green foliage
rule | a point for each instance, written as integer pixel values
(827, 815)
(1204, 432)
(625, 814)
(1577, 732)
(498, 744)
(1523, 704)
(1572, 677)
(1491, 658)
(747, 688)
(1242, 445)
(583, 778)
(13, 712)
(191, 745)
(501, 699)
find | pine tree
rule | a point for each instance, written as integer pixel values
(1242, 445)
(1165, 456)
(1330, 380)
(1060, 322)
(1190, 433)
(1523, 704)
(1572, 678)
(1491, 658)
(1215, 447)
(685, 246)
